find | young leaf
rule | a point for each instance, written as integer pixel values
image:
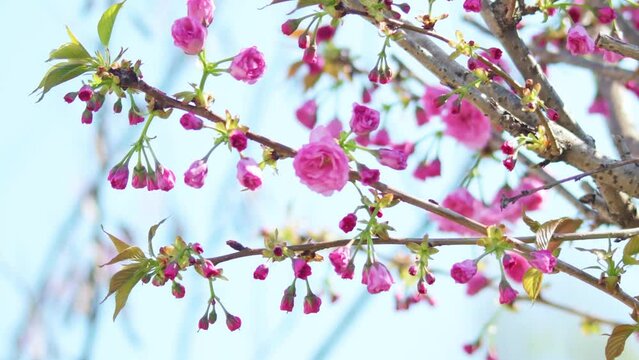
(546, 231)
(617, 340)
(133, 252)
(532, 282)
(70, 51)
(152, 231)
(122, 294)
(121, 277)
(120, 245)
(60, 73)
(105, 25)
(631, 248)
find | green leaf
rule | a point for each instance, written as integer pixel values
(617, 340)
(121, 277)
(533, 225)
(122, 295)
(70, 51)
(60, 73)
(631, 248)
(120, 245)
(532, 282)
(152, 231)
(105, 26)
(72, 37)
(132, 252)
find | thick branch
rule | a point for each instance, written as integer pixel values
(620, 47)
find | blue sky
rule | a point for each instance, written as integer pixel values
(48, 160)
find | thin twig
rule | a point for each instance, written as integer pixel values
(505, 201)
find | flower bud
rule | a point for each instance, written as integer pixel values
(70, 97)
(85, 93)
(348, 223)
(238, 140)
(203, 324)
(312, 303)
(119, 176)
(139, 180)
(178, 290)
(261, 272)
(134, 117)
(171, 270)
(191, 122)
(290, 26)
(288, 300)
(233, 322)
(87, 116)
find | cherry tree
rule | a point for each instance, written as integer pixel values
(494, 99)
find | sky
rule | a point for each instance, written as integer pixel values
(49, 160)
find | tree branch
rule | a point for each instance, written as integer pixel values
(620, 47)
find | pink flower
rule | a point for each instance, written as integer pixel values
(430, 100)
(611, 56)
(421, 116)
(381, 138)
(515, 266)
(178, 290)
(600, 106)
(476, 284)
(579, 42)
(119, 176)
(394, 159)
(543, 260)
(288, 300)
(463, 271)
(261, 272)
(349, 271)
(340, 259)
(427, 170)
(310, 54)
(165, 177)
(460, 201)
(506, 293)
(139, 178)
(378, 278)
(322, 166)
(368, 176)
(134, 117)
(191, 122)
(197, 247)
(189, 35)
(201, 10)
(307, 114)
(238, 140)
(301, 268)
(606, 15)
(471, 348)
(85, 93)
(575, 13)
(364, 119)
(249, 173)
(195, 175)
(312, 303)
(171, 270)
(468, 125)
(334, 127)
(348, 223)
(248, 65)
(233, 322)
(472, 5)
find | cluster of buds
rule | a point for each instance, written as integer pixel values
(404, 302)
(93, 101)
(530, 96)
(419, 269)
(161, 178)
(510, 149)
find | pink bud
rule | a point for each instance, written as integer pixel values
(189, 35)
(233, 322)
(606, 15)
(495, 53)
(249, 173)
(508, 147)
(471, 348)
(463, 271)
(430, 278)
(509, 163)
(152, 182)
(171, 270)
(139, 179)
(195, 175)
(421, 287)
(70, 97)
(197, 247)
(578, 42)
(412, 270)
(209, 270)
(324, 33)
(117, 106)
(303, 40)
(421, 116)
(310, 55)
(119, 176)
(87, 117)
(261, 272)
(290, 26)
(515, 266)
(575, 13)
(203, 324)
(340, 258)
(552, 114)
(307, 114)
(248, 66)
(349, 271)
(428, 170)
(392, 158)
(238, 140)
(134, 117)
(202, 10)
(368, 176)
(373, 75)
(191, 122)
(178, 290)
(364, 119)
(379, 278)
(381, 138)
(312, 303)
(301, 269)
(85, 93)
(506, 293)
(288, 300)
(165, 177)
(472, 5)
(348, 223)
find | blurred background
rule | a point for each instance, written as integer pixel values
(55, 196)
